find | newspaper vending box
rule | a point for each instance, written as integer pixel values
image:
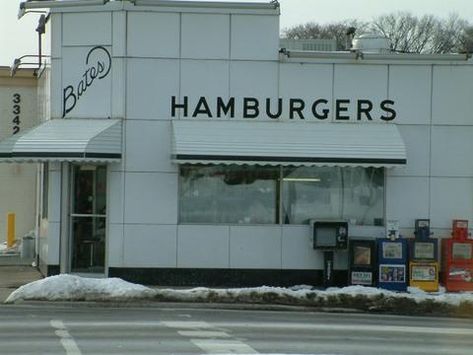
(392, 259)
(457, 259)
(362, 262)
(423, 261)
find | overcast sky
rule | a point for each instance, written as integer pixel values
(18, 37)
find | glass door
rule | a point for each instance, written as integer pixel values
(88, 218)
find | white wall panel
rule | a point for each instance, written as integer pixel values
(309, 82)
(115, 245)
(150, 87)
(148, 146)
(452, 149)
(151, 198)
(417, 141)
(452, 198)
(119, 34)
(116, 190)
(253, 79)
(54, 193)
(205, 36)
(297, 249)
(92, 28)
(56, 88)
(360, 82)
(452, 96)
(410, 89)
(56, 35)
(149, 246)
(203, 246)
(53, 243)
(254, 37)
(407, 199)
(153, 34)
(94, 100)
(118, 88)
(209, 79)
(255, 247)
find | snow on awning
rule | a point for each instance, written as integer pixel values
(74, 140)
(287, 143)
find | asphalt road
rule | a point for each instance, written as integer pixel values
(75, 329)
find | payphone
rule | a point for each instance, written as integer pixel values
(329, 236)
(457, 258)
(392, 259)
(423, 263)
(362, 262)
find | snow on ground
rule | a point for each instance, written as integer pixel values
(66, 287)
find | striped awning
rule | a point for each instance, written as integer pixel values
(74, 140)
(287, 143)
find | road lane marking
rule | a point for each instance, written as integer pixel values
(212, 346)
(65, 338)
(203, 334)
(187, 325)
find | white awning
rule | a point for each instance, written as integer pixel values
(287, 143)
(74, 140)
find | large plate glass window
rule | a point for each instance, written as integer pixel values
(228, 194)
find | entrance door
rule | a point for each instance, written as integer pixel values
(88, 218)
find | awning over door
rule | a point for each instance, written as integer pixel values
(81, 140)
(287, 143)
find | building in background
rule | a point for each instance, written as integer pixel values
(181, 147)
(18, 112)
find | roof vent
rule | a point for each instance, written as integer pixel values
(371, 43)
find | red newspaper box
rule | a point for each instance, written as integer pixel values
(457, 259)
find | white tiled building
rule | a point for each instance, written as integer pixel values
(197, 153)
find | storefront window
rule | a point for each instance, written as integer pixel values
(228, 194)
(352, 194)
(252, 194)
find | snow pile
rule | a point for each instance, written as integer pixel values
(415, 301)
(74, 288)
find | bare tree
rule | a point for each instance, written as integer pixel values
(334, 30)
(408, 33)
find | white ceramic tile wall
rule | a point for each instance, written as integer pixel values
(95, 101)
(205, 36)
(119, 31)
(118, 88)
(115, 245)
(417, 142)
(151, 83)
(255, 247)
(452, 96)
(149, 246)
(451, 198)
(297, 249)
(163, 34)
(407, 199)
(54, 203)
(308, 82)
(254, 37)
(116, 188)
(148, 146)
(151, 198)
(253, 79)
(203, 246)
(410, 89)
(355, 82)
(87, 29)
(207, 78)
(53, 243)
(452, 147)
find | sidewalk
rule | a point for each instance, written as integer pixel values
(12, 277)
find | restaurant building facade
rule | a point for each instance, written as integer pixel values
(182, 146)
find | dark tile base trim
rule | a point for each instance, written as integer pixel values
(48, 270)
(225, 277)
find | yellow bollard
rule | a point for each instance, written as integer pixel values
(10, 229)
